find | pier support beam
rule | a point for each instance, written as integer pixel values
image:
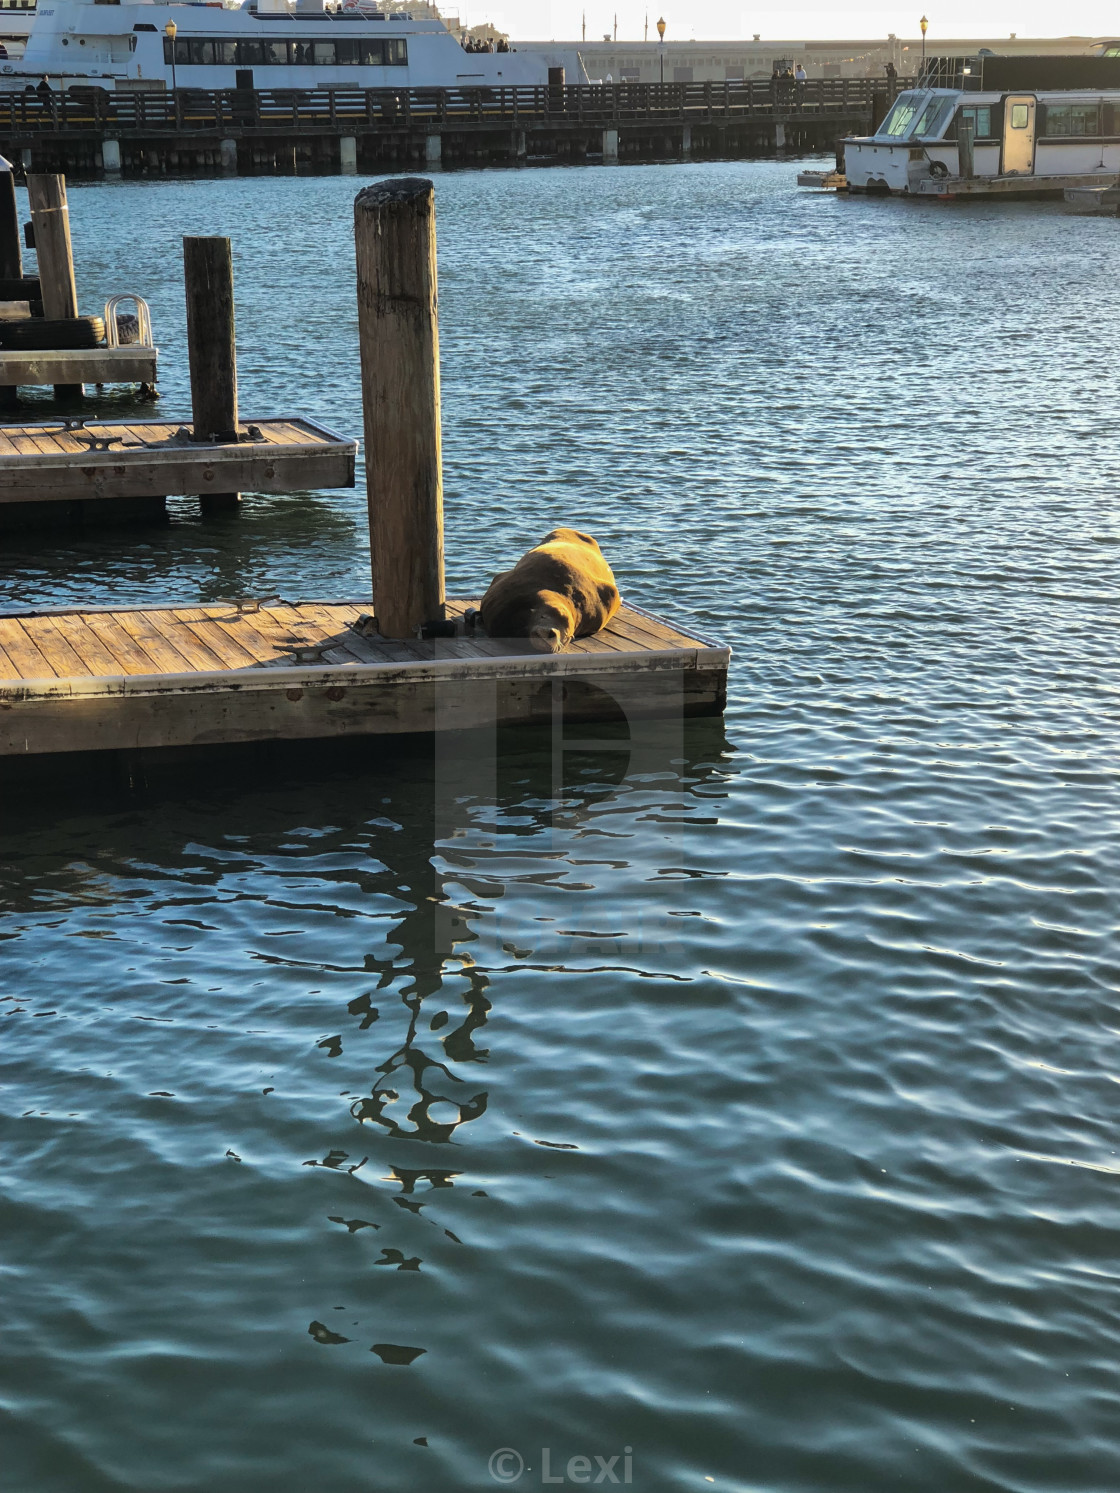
(228, 156)
(348, 155)
(780, 137)
(51, 216)
(433, 152)
(520, 148)
(398, 335)
(610, 147)
(211, 348)
(111, 157)
(11, 252)
(686, 142)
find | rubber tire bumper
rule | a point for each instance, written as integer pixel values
(37, 334)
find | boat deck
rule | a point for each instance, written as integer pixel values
(243, 671)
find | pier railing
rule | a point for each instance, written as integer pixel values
(349, 110)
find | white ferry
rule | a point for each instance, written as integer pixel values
(1039, 139)
(264, 44)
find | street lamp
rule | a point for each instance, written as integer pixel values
(171, 31)
(661, 34)
(924, 24)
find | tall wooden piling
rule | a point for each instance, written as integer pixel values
(398, 334)
(50, 214)
(211, 347)
(11, 253)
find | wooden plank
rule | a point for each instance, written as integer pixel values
(179, 635)
(54, 647)
(28, 660)
(164, 654)
(139, 474)
(131, 657)
(98, 659)
(233, 654)
(8, 669)
(389, 704)
(99, 365)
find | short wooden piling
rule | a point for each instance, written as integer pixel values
(211, 347)
(398, 334)
(50, 214)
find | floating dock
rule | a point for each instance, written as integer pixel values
(74, 460)
(237, 672)
(133, 364)
(1009, 187)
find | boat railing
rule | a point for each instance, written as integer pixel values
(337, 109)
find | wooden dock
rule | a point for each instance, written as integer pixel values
(133, 364)
(72, 460)
(249, 131)
(238, 672)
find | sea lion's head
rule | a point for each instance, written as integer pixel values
(552, 623)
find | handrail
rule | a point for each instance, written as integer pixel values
(343, 109)
(143, 319)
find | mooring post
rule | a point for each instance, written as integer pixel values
(11, 252)
(398, 336)
(211, 347)
(51, 216)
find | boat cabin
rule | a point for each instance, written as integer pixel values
(973, 132)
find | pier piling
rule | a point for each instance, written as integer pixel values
(211, 347)
(50, 214)
(398, 334)
(11, 251)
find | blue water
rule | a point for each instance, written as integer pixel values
(743, 1096)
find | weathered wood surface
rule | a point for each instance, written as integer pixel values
(50, 214)
(398, 335)
(134, 364)
(211, 338)
(216, 674)
(148, 458)
(11, 249)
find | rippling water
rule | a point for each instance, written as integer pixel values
(743, 1095)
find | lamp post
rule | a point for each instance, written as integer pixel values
(924, 24)
(661, 34)
(170, 31)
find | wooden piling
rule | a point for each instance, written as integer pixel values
(211, 347)
(398, 334)
(11, 253)
(51, 216)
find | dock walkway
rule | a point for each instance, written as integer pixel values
(242, 671)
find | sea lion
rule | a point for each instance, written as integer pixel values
(562, 589)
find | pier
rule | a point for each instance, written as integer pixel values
(252, 669)
(246, 131)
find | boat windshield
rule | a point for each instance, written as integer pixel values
(917, 116)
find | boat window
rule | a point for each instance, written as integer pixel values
(981, 118)
(932, 118)
(1020, 114)
(898, 121)
(209, 52)
(1070, 119)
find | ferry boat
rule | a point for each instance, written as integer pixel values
(1037, 126)
(299, 44)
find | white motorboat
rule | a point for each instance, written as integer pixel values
(980, 138)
